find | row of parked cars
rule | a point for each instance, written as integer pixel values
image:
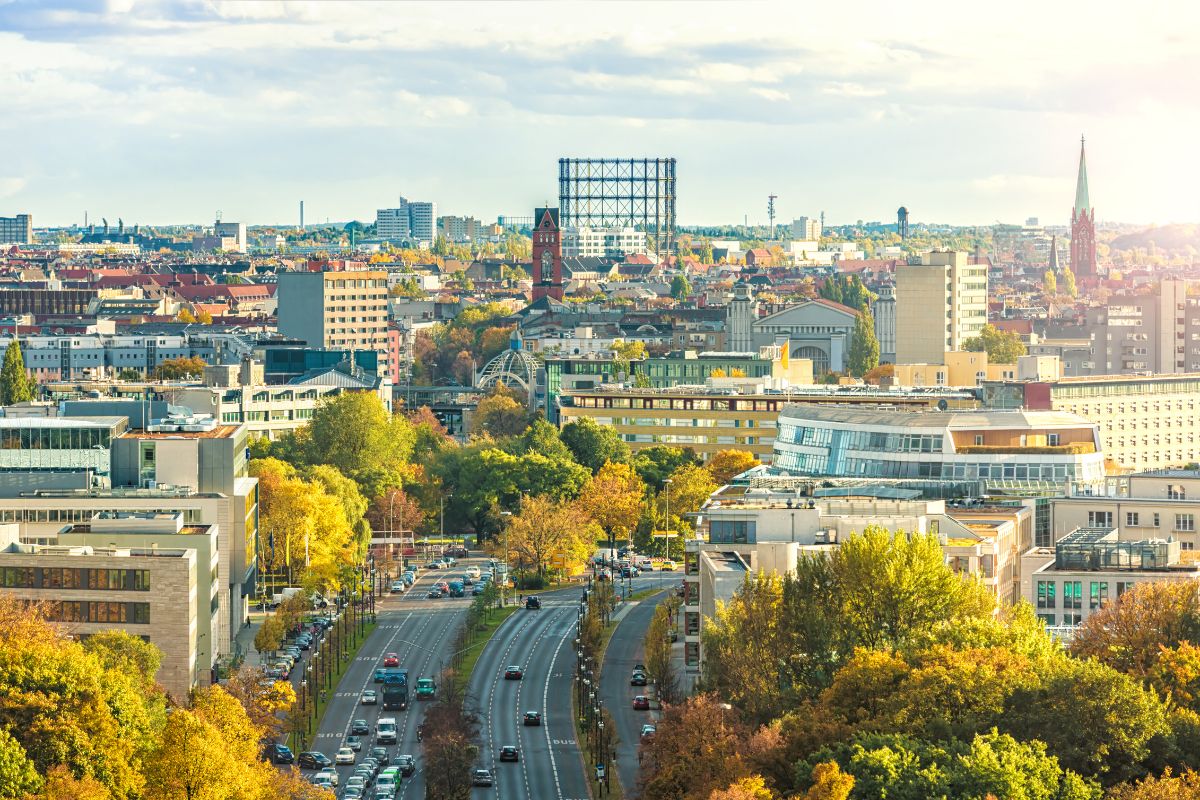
(285, 659)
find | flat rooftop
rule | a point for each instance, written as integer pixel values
(219, 432)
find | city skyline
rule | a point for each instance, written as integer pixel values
(163, 113)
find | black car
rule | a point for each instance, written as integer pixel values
(509, 753)
(638, 679)
(314, 760)
(380, 754)
(533, 718)
(533, 602)
(281, 754)
(407, 765)
(359, 727)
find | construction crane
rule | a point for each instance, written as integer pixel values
(771, 212)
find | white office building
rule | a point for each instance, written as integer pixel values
(584, 242)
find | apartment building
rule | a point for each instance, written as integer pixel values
(1028, 450)
(422, 221)
(1091, 567)
(16, 230)
(335, 310)
(1156, 332)
(393, 224)
(461, 229)
(1146, 422)
(940, 303)
(1159, 504)
(97, 356)
(585, 242)
(149, 593)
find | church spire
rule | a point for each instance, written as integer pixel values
(1082, 203)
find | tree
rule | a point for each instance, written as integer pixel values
(355, 433)
(60, 784)
(876, 376)
(17, 773)
(269, 635)
(1131, 633)
(1049, 284)
(660, 662)
(691, 486)
(1002, 347)
(15, 384)
(186, 316)
(829, 782)
(624, 354)
(864, 347)
(726, 464)
(545, 528)
(742, 646)
(680, 288)
(1069, 283)
(499, 416)
(129, 374)
(656, 463)
(592, 445)
(175, 369)
(121, 651)
(450, 752)
(614, 500)
(1185, 786)
(263, 700)
(751, 788)
(696, 750)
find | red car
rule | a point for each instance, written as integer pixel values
(641, 703)
(513, 673)
(391, 660)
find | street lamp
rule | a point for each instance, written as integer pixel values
(667, 538)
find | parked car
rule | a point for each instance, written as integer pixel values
(667, 566)
(509, 753)
(369, 697)
(398, 586)
(641, 703)
(533, 718)
(512, 673)
(280, 754)
(481, 777)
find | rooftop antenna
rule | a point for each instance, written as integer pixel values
(771, 212)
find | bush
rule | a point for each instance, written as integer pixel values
(530, 580)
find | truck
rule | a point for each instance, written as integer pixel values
(281, 596)
(395, 689)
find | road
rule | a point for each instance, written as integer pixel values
(624, 650)
(542, 643)
(421, 632)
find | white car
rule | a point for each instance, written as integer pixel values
(344, 756)
(330, 774)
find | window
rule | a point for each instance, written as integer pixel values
(732, 531)
(1049, 619)
(1097, 594)
(1156, 519)
(1100, 519)
(979, 439)
(1185, 522)
(1072, 594)
(1052, 439)
(1124, 586)
(1131, 518)
(1045, 594)
(1176, 492)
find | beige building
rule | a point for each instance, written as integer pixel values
(150, 593)
(345, 310)
(940, 303)
(166, 531)
(957, 368)
(1163, 504)
(1146, 422)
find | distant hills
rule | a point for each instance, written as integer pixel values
(1169, 238)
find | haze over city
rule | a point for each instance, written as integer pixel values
(163, 112)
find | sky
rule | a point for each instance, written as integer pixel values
(967, 113)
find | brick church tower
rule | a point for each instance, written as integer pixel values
(1083, 225)
(547, 255)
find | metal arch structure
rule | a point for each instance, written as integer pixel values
(514, 365)
(620, 192)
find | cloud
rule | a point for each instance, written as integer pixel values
(10, 186)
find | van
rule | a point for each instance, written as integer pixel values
(385, 730)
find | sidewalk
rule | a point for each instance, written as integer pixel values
(243, 642)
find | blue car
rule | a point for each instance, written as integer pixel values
(379, 673)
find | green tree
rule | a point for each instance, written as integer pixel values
(499, 416)
(660, 661)
(864, 347)
(355, 433)
(1002, 347)
(742, 646)
(594, 445)
(655, 464)
(15, 384)
(17, 773)
(680, 288)
(625, 353)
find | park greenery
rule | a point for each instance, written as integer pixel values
(875, 671)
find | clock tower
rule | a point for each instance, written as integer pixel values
(547, 255)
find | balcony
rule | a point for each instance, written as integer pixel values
(1069, 449)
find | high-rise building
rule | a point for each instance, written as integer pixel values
(547, 255)
(1083, 224)
(806, 229)
(16, 230)
(940, 303)
(422, 221)
(884, 311)
(740, 317)
(232, 230)
(460, 229)
(338, 310)
(393, 223)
